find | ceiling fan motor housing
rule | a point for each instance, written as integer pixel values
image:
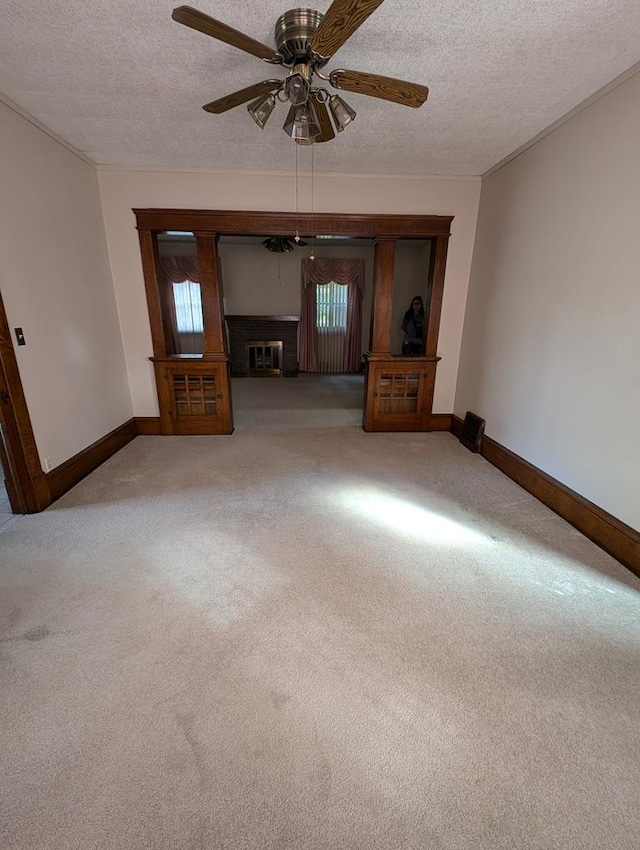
(293, 32)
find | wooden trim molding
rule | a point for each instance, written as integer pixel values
(457, 425)
(150, 266)
(383, 267)
(611, 534)
(72, 471)
(441, 422)
(250, 222)
(437, 269)
(26, 484)
(148, 426)
(215, 339)
(61, 479)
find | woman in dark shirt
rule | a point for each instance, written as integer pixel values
(412, 325)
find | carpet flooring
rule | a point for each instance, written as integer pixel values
(304, 636)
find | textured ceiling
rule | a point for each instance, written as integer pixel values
(123, 83)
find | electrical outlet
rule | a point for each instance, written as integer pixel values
(46, 464)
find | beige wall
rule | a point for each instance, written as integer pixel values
(56, 285)
(551, 353)
(259, 283)
(122, 190)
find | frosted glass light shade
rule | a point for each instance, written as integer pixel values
(341, 112)
(302, 124)
(261, 109)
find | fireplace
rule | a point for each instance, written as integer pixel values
(266, 339)
(264, 358)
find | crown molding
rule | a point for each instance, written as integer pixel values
(617, 81)
(333, 175)
(15, 107)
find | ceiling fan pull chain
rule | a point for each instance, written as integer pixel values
(312, 257)
(297, 227)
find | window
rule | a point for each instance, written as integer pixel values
(331, 325)
(331, 306)
(186, 296)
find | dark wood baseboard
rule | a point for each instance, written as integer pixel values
(611, 534)
(440, 422)
(68, 474)
(457, 425)
(148, 426)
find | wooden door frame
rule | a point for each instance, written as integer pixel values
(27, 486)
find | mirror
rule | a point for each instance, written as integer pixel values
(411, 281)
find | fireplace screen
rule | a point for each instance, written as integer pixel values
(264, 358)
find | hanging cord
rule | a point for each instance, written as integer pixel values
(311, 256)
(297, 236)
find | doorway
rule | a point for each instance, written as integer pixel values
(194, 392)
(310, 401)
(24, 487)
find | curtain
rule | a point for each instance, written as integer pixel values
(349, 273)
(177, 269)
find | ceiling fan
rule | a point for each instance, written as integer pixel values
(306, 40)
(282, 244)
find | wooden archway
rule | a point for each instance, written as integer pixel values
(399, 390)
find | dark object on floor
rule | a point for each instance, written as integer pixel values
(472, 432)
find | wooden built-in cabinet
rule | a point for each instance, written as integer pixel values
(195, 395)
(194, 392)
(399, 390)
(399, 394)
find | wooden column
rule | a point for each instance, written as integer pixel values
(438, 265)
(152, 284)
(215, 341)
(381, 308)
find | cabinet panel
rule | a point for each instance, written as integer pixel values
(399, 394)
(195, 396)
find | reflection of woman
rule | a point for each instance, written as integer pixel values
(412, 325)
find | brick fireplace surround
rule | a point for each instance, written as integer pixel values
(246, 329)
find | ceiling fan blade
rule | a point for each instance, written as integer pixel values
(191, 17)
(387, 88)
(326, 127)
(342, 19)
(241, 96)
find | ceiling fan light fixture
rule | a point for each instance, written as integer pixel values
(341, 112)
(261, 108)
(302, 124)
(306, 41)
(297, 85)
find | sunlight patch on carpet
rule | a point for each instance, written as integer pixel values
(412, 520)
